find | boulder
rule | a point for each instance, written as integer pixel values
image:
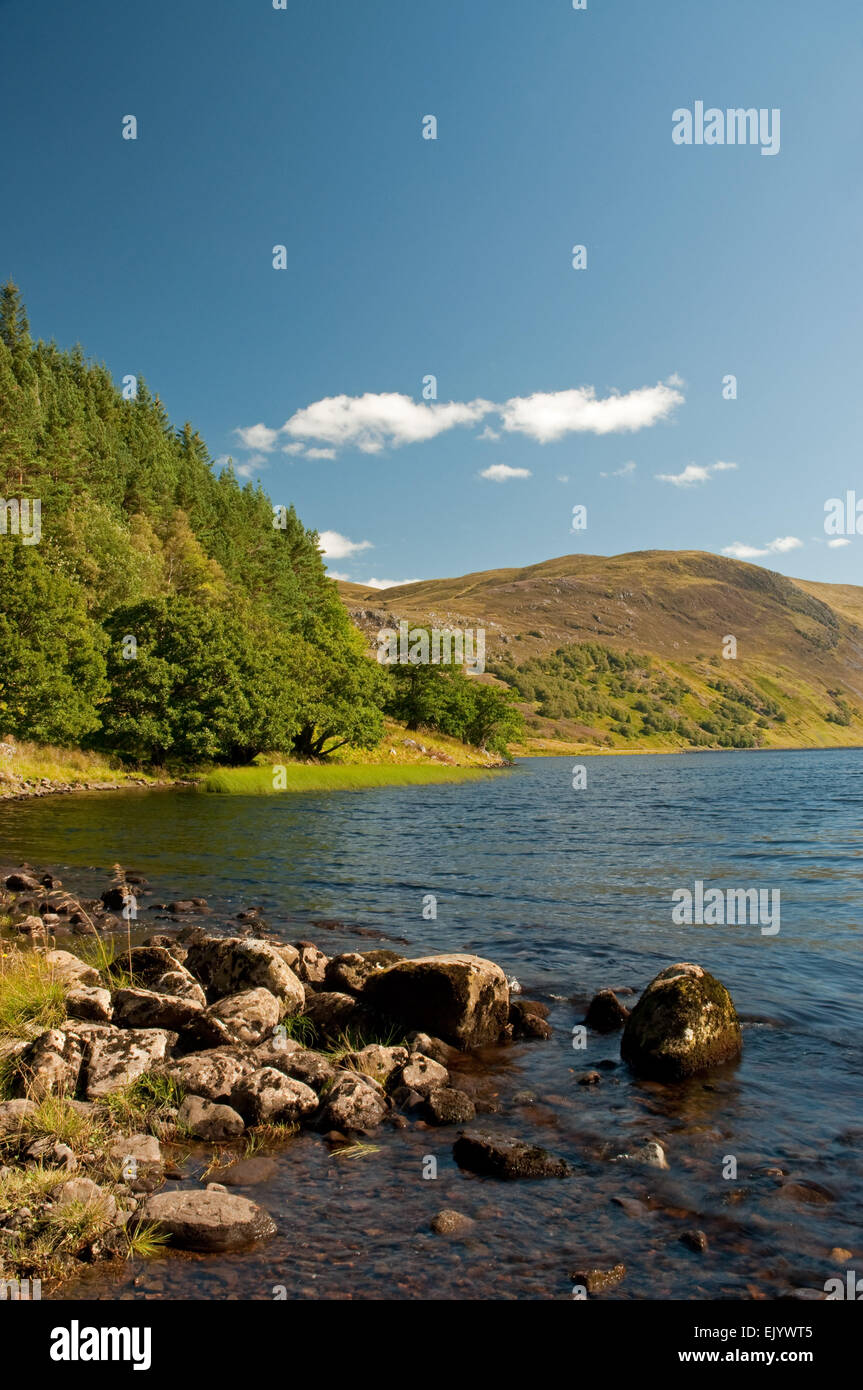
(181, 984)
(212, 1074)
(333, 1013)
(422, 1075)
(355, 1102)
(605, 1013)
(50, 1065)
(449, 1107)
(436, 1048)
(31, 926)
(377, 1060)
(273, 1051)
(268, 1096)
(116, 1061)
(506, 1158)
(208, 1120)
(144, 1008)
(70, 969)
(85, 1192)
(250, 1016)
(89, 1002)
(528, 1019)
(309, 1067)
(460, 998)
(599, 1280)
(684, 1023)
(22, 883)
(347, 973)
(142, 1149)
(234, 964)
(13, 1113)
(311, 965)
(207, 1221)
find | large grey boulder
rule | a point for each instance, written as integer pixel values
(208, 1221)
(234, 964)
(116, 1060)
(506, 1158)
(212, 1074)
(250, 1016)
(355, 1102)
(684, 1023)
(462, 999)
(49, 1066)
(208, 1120)
(269, 1097)
(145, 1008)
(70, 970)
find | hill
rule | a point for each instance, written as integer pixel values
(656, 622)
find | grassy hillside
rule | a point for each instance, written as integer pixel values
(641, 638)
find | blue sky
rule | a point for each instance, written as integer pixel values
(452, 257)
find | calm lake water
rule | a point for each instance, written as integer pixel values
(571, 891)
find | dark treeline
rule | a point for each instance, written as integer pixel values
(159, 614)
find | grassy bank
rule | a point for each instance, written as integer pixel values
(31, 767)
(306, 777)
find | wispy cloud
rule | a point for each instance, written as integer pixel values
(252, 465)
(837, 542)
(623, 472)
(501, 473)
(388, 583)
(338, 547)
(694, 473)
(740, 551)
(389, 420)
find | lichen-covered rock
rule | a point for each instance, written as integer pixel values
(208, 1120)
(448, 1106)
(207, 1220)
(268, 1096)
(49, 1066)
(118, 1059)
(249, 1016)
(13, 1113)
(311, 965)
(451, 1223)
(212, 1074)
(355, 1102)
(89, 1002)
(333, 1013)
(506, 1158)
(377, 1060)
(307, 1066)
(71, 970)
(683, 1024)
(273, 1051)
(144, 1150)
(233, 964)
(460, 998)
(347, 973)
(605, 1013)
(422, 1075)
(181, 984)
(144, 1008)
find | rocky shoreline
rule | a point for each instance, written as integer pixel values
(132, 1052)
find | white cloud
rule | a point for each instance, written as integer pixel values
(549, 415)
(320, 453)
(563, 477)
(388, 583)
(337, 547)
(840, 540)
(257, 437)
(501, 472)
(337, 574)
(373, 422)
(740, 551)
(293, 449)
(623, 472)
(388, 419)
(694, 473)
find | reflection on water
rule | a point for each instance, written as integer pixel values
(571, 892)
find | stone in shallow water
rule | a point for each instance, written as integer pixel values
(448, 1106)
(605, 1013)
(207, 1220)
(208, 1120)
(506, 1158)
(599, 1280)
(452, 1223)
(462, 999)
(683, 1024)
